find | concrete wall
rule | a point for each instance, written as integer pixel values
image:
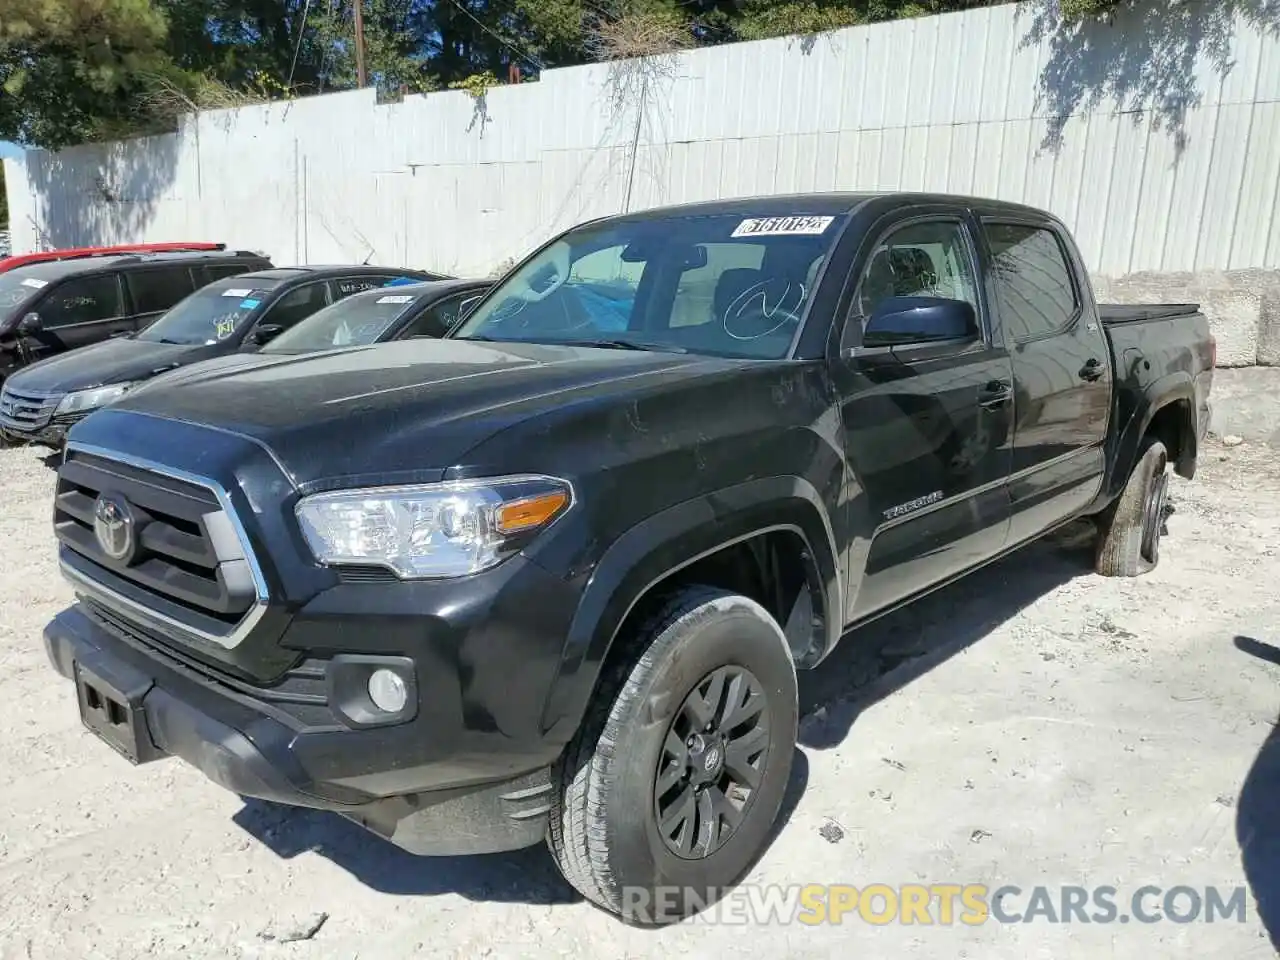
(1156, 138)
(1243, 306)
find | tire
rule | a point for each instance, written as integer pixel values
(605, 830)
(1129, 530)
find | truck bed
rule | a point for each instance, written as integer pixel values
(1118, 313)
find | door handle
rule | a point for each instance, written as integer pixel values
(994, 393)
(1092, 369)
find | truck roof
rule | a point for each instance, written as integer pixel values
(822, 203)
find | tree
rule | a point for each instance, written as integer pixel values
(79, 70)
(72, 70)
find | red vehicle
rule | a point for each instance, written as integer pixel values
(75, 253)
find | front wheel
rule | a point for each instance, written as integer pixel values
(671, 788)
(1129, 530)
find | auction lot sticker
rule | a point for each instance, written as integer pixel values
(782, 226)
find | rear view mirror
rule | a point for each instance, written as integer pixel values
(266, 332)
(695, 258)
(30, 324)
(898, 321)
(465, 308)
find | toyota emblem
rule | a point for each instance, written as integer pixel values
(113, 526)
(711, 759)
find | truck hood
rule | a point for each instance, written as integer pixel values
(112, 361)
(402, 411)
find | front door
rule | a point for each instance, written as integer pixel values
(76, 312)
(927, 426)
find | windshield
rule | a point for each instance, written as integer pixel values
(16, 289)
(720, 285)
(212, 313)
(355, 321)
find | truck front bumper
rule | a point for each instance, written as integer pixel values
(147, 707)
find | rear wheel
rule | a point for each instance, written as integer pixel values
(671, 788)
(1129, 531)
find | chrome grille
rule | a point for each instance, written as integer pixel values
(187, 567)
(26, 409)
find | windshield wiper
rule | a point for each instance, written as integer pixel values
(619, 344)
(608, 343)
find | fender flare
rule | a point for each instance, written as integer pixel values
(1169, 389)
(667, 542)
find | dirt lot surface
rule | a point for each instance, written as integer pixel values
(1032, 725)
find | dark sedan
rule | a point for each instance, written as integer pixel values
(40, 403)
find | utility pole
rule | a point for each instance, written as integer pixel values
(361, 79)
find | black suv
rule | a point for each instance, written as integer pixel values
(38, 404)
(49, 308)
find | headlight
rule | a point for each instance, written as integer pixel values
(431, 530)
(91, 399)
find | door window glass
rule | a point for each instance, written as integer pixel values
(1033, 281)
(928, 259)
(159, 288)
(81, 300)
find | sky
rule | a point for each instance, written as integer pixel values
(8, 149)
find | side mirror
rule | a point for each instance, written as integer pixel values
(266, 332)
(30, 324)
(900, 321)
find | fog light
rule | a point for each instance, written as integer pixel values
(387, 690)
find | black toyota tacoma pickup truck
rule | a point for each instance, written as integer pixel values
(552, 576)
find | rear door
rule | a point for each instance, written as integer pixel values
(1061, 372)
(926, 425)
(76, 312)
(153, 290)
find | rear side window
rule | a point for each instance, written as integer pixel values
(220, 271)
(81, 300)
(1033, 281)
(346, 286)
(159, 288)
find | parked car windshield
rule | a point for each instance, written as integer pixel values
(723, 285)
(16, 289)
(212, 313)
(351, 322)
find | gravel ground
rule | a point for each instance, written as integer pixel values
(1032, 725)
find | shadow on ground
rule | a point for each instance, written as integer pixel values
(1258, 814)
(525, 876)
(869, 665)
(887, 654)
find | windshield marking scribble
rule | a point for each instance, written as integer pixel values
(738, 309)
